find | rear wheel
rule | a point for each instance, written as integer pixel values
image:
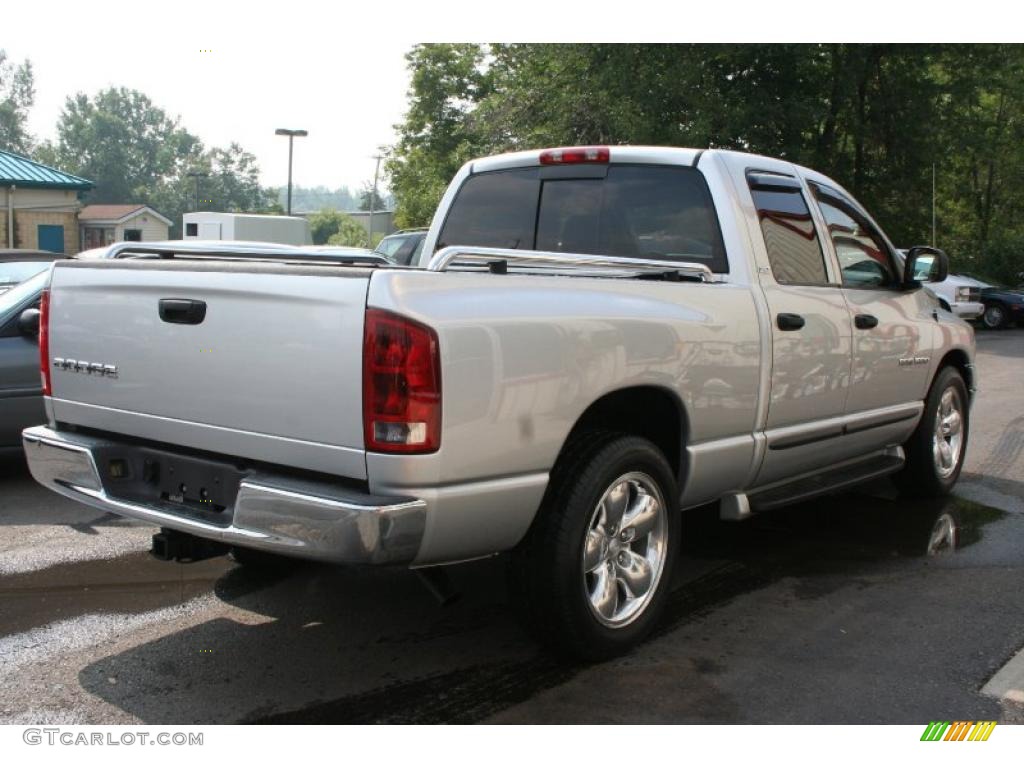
(935, 452)
(592, 575)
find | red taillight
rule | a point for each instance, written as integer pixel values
(569, 155)
(401, 385)
(44, 339)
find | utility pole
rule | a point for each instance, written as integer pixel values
(933, 205)
(291, 133)
(373, 195)
(197, 175)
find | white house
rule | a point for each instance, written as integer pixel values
(105, 224)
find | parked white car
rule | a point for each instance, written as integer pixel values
(959, 294)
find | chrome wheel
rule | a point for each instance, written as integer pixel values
(624, 552)
(994, 316)
(948, 439)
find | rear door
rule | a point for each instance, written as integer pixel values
(811, 332)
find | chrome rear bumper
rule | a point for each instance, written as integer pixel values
(275, 513)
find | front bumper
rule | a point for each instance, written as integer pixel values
(272, 512)
(968, 310)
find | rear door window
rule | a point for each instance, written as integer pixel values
(656, 212)
(794, 250)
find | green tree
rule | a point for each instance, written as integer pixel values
(876, 117)
(350, 233)
(367, 195)
(438, 134)
(124, 143)
(17, 95)
(136, 153)
(325, 224)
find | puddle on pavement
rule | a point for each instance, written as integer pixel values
(849, 534)
(835, 533)
(133, 583)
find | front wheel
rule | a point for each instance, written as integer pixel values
(995, 317)
(936, 450)
(592, 575)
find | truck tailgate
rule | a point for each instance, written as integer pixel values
(272, 371)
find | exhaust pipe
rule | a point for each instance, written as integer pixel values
(184, 547)
(438, 584)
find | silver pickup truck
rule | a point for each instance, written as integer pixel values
(595, 341)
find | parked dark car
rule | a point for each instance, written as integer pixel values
(21, 391)
(1003, 307)
(19, 264)
(403, 247)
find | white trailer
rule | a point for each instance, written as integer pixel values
(204, 225)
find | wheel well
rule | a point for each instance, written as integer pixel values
(957, 358)
(650, 412)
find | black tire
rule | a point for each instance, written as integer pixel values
(546, 572)
(995, 317)
(921, 477)
(257, 560)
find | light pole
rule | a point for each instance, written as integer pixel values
(373, 196)
(197, 175)
(291, 134)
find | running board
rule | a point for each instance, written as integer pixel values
(740, 506)
(827, 482)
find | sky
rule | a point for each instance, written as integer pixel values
(230, 76)
(236, 71)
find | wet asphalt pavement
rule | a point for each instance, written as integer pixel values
(860, 608)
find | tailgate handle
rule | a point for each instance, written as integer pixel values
(182, 311)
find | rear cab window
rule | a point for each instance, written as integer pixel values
(659, 212)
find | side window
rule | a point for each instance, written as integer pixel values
(495, 210)
(863, 255)
(794, 250)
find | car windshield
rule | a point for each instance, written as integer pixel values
(14, 272)
(389, 245)
(23, 291)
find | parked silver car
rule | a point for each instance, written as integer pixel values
(19, 264)
(21, 391)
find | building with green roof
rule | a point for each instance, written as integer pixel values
(38, 205)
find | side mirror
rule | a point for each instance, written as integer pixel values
(925, 265)
(28, 322)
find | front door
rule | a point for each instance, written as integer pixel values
(892, 327)
(811, 334)
(51, 238)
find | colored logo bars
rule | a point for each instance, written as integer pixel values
(961, 730)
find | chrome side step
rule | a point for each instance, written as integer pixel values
(740, 506)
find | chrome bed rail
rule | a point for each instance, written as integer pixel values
(551, 262)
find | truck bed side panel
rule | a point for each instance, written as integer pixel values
(524, 356)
